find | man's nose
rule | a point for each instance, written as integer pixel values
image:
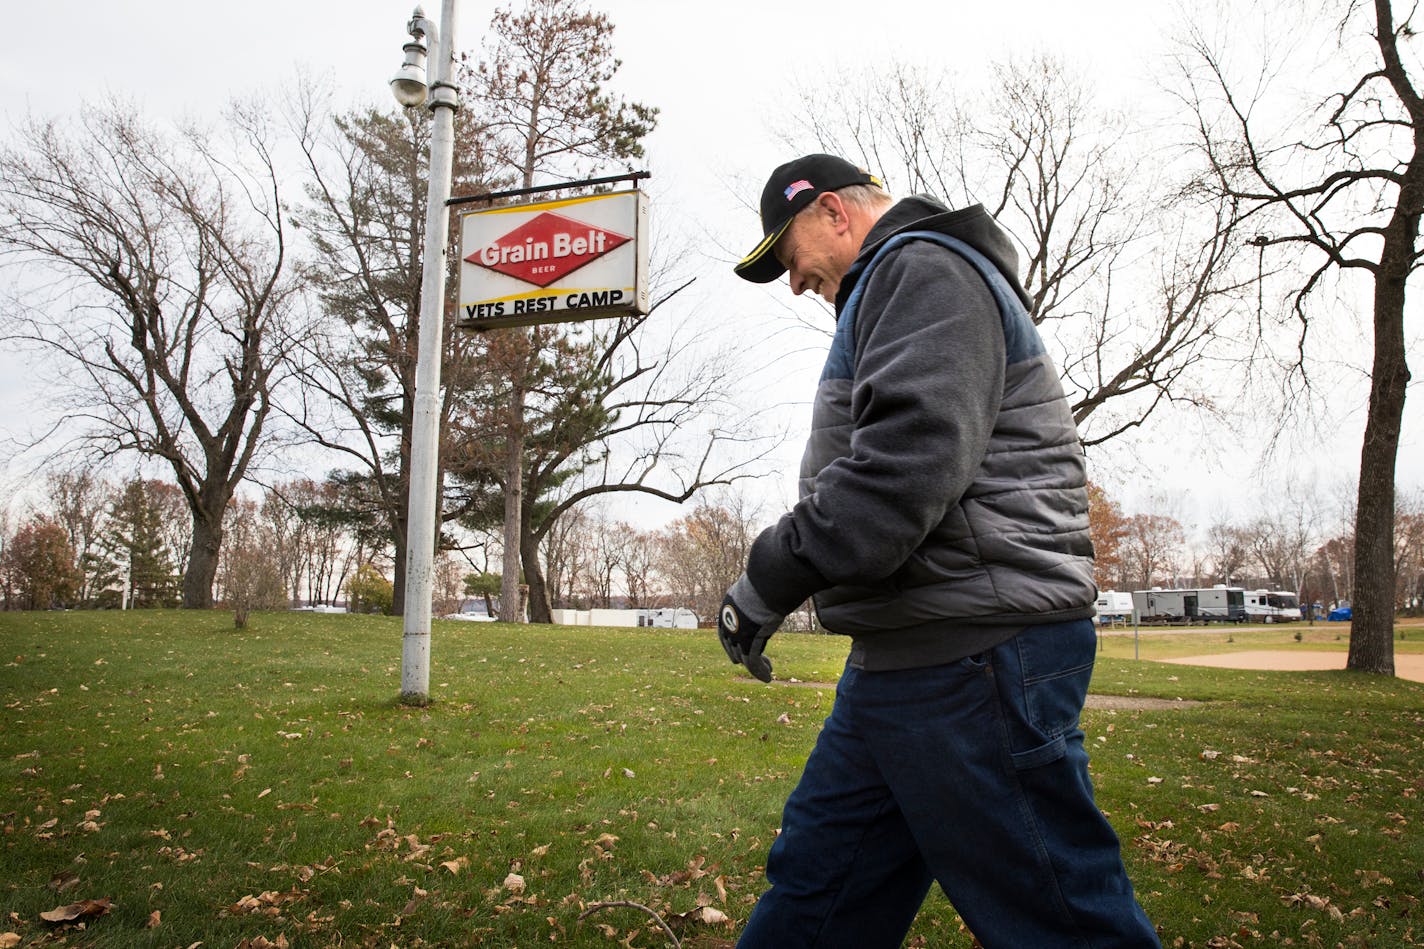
(798, 283)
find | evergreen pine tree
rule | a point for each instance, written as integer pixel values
(134, 547)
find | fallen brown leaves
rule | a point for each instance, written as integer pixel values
(262, 942)
(702, 915)
(694, 871)
(1318, 903)
(64, 881)
(73, 912)
(269, 903)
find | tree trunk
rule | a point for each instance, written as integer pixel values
(534, 576)
(202, 563)
(1372, 627)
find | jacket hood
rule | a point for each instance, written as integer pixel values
(919, 212)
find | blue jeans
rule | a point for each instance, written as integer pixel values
(972, 774)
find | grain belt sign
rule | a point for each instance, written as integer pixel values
(554, 261)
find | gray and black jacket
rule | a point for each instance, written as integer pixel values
(943, 489)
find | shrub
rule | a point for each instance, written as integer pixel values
(369, 591)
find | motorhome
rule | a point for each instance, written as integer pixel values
(1272, 606)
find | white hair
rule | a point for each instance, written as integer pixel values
(867, 197)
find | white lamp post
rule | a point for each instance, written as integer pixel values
(410, 89)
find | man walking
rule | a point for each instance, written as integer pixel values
(942, 526)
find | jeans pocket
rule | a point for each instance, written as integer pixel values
(975, 662)
(1040, 717)
(1043, 678)
(1046, 753)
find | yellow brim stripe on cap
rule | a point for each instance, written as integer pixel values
(764, 247)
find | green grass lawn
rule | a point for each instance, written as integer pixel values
(264, 787)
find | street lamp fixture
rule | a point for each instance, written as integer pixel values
(410, 90)
(408, 86)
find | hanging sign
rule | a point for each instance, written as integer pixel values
(554, 261)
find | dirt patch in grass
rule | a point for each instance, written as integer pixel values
(1406, 665)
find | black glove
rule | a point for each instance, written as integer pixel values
(744, 624)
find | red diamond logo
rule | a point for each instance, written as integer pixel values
(546, 248)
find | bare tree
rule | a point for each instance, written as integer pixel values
(1335, 560)
(8, 591)
(249, 577)
(175, 527)
(1341, 191)
(587, 557)
(640, 564)
(1150, 549)
(605, 562)
(704, 552)
(1409, 553)
(180, 303)
(448, 588)
(79, 499)
(565, 554)
(592, 559)
(310, 545)
(1272, 548)
(1227, 548)
(289, 538)
(1130, 276)
(313, 539)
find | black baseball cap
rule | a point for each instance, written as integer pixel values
(790, 188)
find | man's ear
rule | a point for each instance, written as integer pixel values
(835, 210)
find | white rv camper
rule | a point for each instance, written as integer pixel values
(1165, 606)
(1223, 603)
(1113, 607)
(1272, 606)
(664, 618)
(1197, 604)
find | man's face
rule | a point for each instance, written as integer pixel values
(813, 249)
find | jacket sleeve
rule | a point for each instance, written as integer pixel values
(928, 380)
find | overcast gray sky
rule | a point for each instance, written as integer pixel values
(719, 73)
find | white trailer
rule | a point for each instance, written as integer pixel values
(1194, 604)
(1165, 606)
(1112, 606)
(1222, 603)
(674, 617)
(665, 618)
